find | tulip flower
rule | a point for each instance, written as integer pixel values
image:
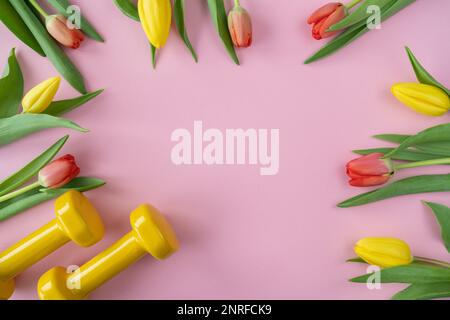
(423, 98)
(240, 26)
(369, 170)
(59, 29)
(39, 98)
(54, 175)
(59, 172)
(324, 17)
(384, 252)
(156, 17)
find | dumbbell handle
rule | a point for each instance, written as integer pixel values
(31, 249)
(106, 265)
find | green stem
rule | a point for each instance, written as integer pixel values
(237, 3)
(352, 4)
(422, 163)
(433, 261)
(39, 8)
(19, 192)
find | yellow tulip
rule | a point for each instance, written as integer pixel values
(384, 252)
(423, 98)
(39, 98)
(156, 16)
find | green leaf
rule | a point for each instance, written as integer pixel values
(442, 214)
(416, 272)
(14, 128)
(356, 31)
(356, 260)
(14, 23)
(128, 8)
(432, 148)
(34, 197)
(360, 14)
(31, 169)
(11, 87)
(153, 51)
(178, 12)
(422, 74)
(61, 107)
(219, 17)
(437, 134)
(424, 291)
(87, 28)
(405, 155)
(394, 138)
(411, 185)
(55, 54)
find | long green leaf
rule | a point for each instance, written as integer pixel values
(434, 148)
(11, 87)
(424, 291)
(128, 8)
(415, 272)
(58, 108)
(437, 134)
(14, 128)
(411, 185)
(34, 197)
(422, 74)
(178, 13)
(87, 28)
(31, 169)
(14, 23)
(56, 55)
(442, 214)
(219, 17)
(404, 155)
(360, 14)
(356, 31)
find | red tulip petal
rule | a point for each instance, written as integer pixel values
(334, 18)
(369, 181)
(323, 12)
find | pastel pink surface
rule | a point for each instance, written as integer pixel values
(243, 236)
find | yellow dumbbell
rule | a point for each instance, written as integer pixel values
(151, 233)
(76, 220)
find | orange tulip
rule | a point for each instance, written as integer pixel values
(58, 29)
(324, 17)
(240, 26)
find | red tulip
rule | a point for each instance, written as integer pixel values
(369, 170)
(59, 172)
(325, 17)
(58, 29)
(240, 26)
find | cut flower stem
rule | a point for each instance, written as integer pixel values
(352, 4)
(433, 261)
(422, 163)
(38, 8)
(19, 192)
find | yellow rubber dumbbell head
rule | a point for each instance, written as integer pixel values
(79, 219)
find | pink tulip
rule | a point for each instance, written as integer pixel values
(59, 172)
(58, 29)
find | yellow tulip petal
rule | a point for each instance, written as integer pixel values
(422, 98)
(156, 17)
(384, 252)
(39, 98)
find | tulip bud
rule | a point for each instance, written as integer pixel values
(156, 17)
(423, 98)
(384, 252)
(324, 17)
(240, 26)
(39, 98)
(58, 28)
(369, 170)
(59, 172)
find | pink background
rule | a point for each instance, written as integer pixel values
(243, 235)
